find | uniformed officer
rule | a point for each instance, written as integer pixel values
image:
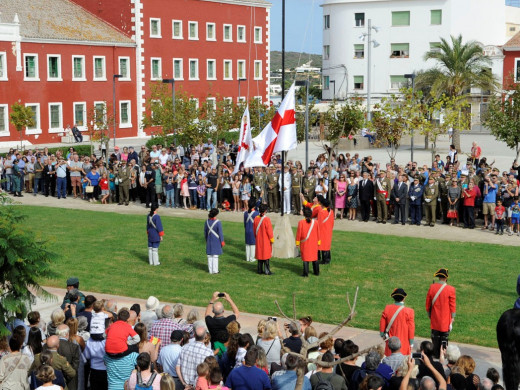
(123, 175)
(431, 193)
(259, 180)
(382, 189)
(73, 283)
(273, 190)
(309, 186)
(296, 190)
(415, 194)
(285, 189)
(398, 320)
(443, 195)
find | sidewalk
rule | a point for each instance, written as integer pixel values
(484, 357)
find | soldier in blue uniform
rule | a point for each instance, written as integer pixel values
(214, 240)
(415, 194)
(249, 218)
(155, 233)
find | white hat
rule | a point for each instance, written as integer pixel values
(152, 303)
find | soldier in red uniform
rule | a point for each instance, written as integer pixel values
(308, 239)
(398, 320)
(263, 230)
(440, 305)
(326, 223)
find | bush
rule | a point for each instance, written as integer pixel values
(82, 150)
(164, 140)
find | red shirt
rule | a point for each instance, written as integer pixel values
(103, 184)
(117, 336)
(499, 212)
(469, 200)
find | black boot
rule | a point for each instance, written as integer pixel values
(325, 257)
(316, 268)
(305, 269)
(259, 267)
(267, 269)
(20, 194)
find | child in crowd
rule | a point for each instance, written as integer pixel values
(203, 373)
(98, 321)
(185, 192)
(235, 185)
(246, 192)
(215, 379)
(104, 186)
(201, 192)
(499, 217)
(112, 184)
(46, 375)
(121, 337)
(243, 344)
(169, 188)
(515, 217)
(226, 206)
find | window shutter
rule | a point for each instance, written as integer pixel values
(401, 18)
(436, 16)
(358, 79)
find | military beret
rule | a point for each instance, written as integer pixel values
(398, 292)
(72, 281)
(442, 273)
(416, 178)
(431, 177)
(382, 171)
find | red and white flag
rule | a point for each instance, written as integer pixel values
(245, 144)
(277, 136)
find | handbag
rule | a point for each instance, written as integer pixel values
(452, 214)
(89, 189)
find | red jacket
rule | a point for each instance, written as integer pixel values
(264, 238)
(309, 247)
(326, 222)
(444, 308)
(402, 327)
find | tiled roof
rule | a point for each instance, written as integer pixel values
(263, 3)
(58, 20)
(513, 42)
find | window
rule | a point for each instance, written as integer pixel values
(241, 69)
(359, 19)
(124, 68)
(211, 73)
(36, 129)
(193, 30)
(517, 70)
(99, 69)
(194, 102)
(401, 18)
(436, 16)
(100, 114)
(55, 118)
(400, 50)
(177, 29)
(241, 99)
(435, 46)
(358, 82)
(31, 67)
(326, 52)
(211, 104)
(258, 34)
(228, 33)
(359, 50)
(3, 67)
(210, 32)
(54, 67)
(512, 29)
(398, 82)
(79, 114)
(78, 68)
(177, 69)
(194, 69)
(125, 120)
(326, 22)
(326, 82)
(258, 70)
(241, 33)
(4, 120)
(156, 69)
(155, 28)
(228, 70)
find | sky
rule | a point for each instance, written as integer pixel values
(303, 25)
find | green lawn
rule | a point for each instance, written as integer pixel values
(108, 252)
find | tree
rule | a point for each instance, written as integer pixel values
(21, 117)
(461, 66)
(503, 118)
(99, 118)
(24, 261)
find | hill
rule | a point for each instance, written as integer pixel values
(293, 59)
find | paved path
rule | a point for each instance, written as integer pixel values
(484, 357)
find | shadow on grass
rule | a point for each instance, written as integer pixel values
(195, 264)
(141, 255)
(291, 265)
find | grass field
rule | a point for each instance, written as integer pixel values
(108, 252)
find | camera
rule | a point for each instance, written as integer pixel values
(416, 355)
(444, 344)
(221, 295)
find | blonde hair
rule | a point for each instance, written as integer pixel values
(192, 316)
(261, 327)
(167, 382)
(328, 343)
(310, 332)
(261, 360)
(233, 328)
(72, 323)
(57, 317)
(467, 364)
(270, 330)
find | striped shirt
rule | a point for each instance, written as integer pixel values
(119, 370)
(191, 356)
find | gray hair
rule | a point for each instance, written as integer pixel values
(452, 353)
(111, 305)
(372, 360)
(486, 384)
(193, 315)
(218, 308)
(82, 323)
(394, 344)
(427, 383)
(178, 310)
(63, 331)
(167, 311)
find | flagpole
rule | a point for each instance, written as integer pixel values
(283, 96)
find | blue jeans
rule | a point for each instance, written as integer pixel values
(61, 186)
(8, 182)
(170, 195)
(38, 185)
(212, 198)
(193, 197)
(202, 202)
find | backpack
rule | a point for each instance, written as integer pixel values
(144, 386)
(323, 384)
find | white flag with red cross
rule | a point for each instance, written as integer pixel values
(245, 144)
(277, 136)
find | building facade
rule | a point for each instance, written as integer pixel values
(511, 52)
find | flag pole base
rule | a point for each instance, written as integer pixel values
(284, 245)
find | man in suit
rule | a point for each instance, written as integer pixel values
(58, 361)
(70, 352)
(366, 192)
(399, 193)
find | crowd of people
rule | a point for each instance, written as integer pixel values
(89, 343)
(455, 191)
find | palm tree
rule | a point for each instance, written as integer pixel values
(460, 66)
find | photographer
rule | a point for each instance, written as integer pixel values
(73, 284)
(218, 323)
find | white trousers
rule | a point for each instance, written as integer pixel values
(250, 253)
(213, 264)
(153, 256)
(287, 202)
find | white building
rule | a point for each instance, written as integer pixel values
(406, 30)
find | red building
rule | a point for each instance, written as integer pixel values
(511, 61)
(59, 62)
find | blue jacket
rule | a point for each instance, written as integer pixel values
(248, 225)
(417, 191)
(154, 233)
(287, 381)
(214, 237)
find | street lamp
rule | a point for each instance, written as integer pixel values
(305, 83)
(370, 41)
(172, 82)
(239, 80)
(412, 77)
(334, 93)
(116, 76)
